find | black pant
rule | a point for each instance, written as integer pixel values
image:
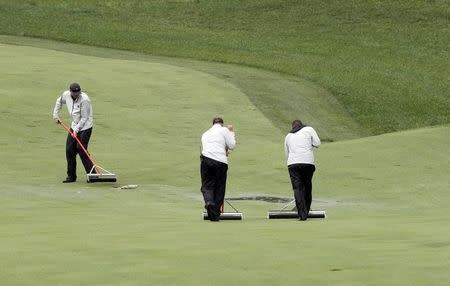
(214, 179)
(301, 176)
(73, 148)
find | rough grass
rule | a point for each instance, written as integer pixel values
(386, 62)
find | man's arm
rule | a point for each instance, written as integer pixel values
(58, 105)
(315, 138)
(286, 147)
(85, 109)
(230, 140)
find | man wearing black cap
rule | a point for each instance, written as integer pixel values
(80, 109)
(216, 142)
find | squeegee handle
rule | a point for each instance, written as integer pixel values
(74, 136)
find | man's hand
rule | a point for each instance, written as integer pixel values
(230, 127)
(57, 121)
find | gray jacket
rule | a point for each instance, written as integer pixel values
(80, 110)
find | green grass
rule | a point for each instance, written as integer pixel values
(314, 105)
(385, 196)
(385, 62)
(348, 68)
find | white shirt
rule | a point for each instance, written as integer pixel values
(80, 110)
(215, 142)
(298, 146)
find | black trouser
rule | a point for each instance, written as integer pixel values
(301, 176)
(214, 179)
(73, 148)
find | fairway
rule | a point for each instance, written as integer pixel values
(386, 196)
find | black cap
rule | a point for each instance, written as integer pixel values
(75, 87)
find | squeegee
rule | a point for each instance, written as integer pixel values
(236, 215)
(284, 213)
(97, 173)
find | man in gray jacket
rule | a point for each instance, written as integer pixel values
(298, 146)
(80, 109)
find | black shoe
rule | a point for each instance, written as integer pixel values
(211, 213)
(69, 180)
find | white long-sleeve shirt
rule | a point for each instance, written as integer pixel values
(80, 110)
(215, 142)
(298, 146)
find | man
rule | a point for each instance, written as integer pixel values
(298, 146)
(80, 109)
(216, 142)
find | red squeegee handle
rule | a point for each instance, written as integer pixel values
(74, 136)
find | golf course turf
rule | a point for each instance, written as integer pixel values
(372, 77)
(386, 196)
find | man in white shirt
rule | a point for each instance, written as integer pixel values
(298, 147)
(216, 142)
(80, 109)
